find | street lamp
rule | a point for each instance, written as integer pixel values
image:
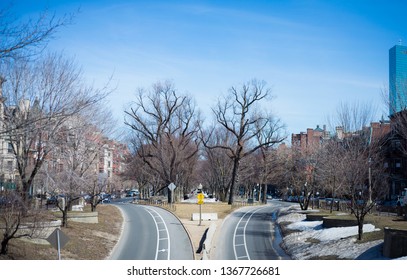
(258, 193)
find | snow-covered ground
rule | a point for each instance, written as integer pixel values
(312, 241)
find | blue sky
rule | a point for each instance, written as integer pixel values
(313, 54)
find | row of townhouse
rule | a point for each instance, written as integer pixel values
(8, 165)
(104, 158)
(392, 133)
(393, 143)
(112, 163)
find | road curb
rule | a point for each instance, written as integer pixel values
(207, 245)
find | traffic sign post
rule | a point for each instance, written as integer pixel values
(172, 187)
(58, 240)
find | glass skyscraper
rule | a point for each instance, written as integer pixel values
(397, 79)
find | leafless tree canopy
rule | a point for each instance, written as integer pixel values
(25, 38)
(353, 116)
(216, 171)
(40, 97)
(353, 166)
(239, 114)
(165, 126)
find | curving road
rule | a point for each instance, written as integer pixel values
(151, 233)
(250, 233)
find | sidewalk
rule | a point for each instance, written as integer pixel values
(196, 233)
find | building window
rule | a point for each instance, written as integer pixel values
(397, 145)
(10, 148)
(9, 166)
(397, 165)
(108, 164)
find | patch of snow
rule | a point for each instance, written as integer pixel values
(314, 241)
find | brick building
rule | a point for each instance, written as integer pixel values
(310, 140)
(112, 161)
(73, 142)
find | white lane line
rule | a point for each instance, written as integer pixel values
(244, 237)
(158, 234)
(158, 216)
(240, 227)
(234, 235)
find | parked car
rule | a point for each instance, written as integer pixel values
(105, 198)
(53, 200)
(133, 193)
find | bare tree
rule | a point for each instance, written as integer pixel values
(138, 172)
(216, 166)
(16, 220)
(331, 173)
(365, 175)
(21, 38)
(300, 169)
(165, 127)
(356, 162)
(273, 133)
(238, 113)
(79, 155)
(353, 117)
(40, 97)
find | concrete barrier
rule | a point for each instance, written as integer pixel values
(90, 217)
(39, 232)
(330, 222)
(77, 207)
(395, 243)
(205, 217)
(82, 217)
(207, 246)
(315, 217)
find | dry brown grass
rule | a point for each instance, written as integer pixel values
(185, 210)
(86, 241)
(95, 241)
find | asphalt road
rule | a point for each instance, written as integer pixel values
(151, 233)
(250, 233)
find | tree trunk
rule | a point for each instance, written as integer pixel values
(264, 200)
(65, 216)
(360, 227)
(232, 183)
(222, 194)
(4, 245)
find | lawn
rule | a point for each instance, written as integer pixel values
(86, 241)
(95, 241)
(185, 210)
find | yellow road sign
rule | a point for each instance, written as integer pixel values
(200, 198)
